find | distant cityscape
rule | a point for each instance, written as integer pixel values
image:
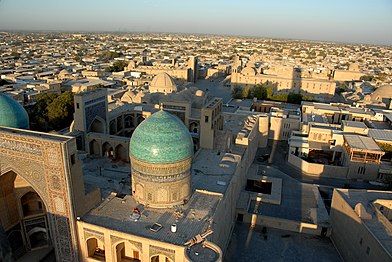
(185, 147)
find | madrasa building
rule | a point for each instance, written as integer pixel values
(178, 202)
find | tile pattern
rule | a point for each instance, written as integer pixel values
(12, 114)
(161, 138)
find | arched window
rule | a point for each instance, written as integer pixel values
(31, 204)
(95, 249)
(125, 252)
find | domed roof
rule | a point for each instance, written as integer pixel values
(163, 81)
(12, 114)
(248, 71)
(161, 138)
(381, 93)
(199, 93)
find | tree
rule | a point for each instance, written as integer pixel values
(366, 78)
(260, 92)
(117, 66)
(109, 55)
(294, 98)
(236, 93)
(61, 110)
(52, 111)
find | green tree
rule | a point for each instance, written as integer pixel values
(109, 55)
(246, 92)
(52, 111)
(260, 92)
(294, 98)
(236, 93)
(117, 66)
(60, 111)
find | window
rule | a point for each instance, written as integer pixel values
(175, 197)
(77, 105)
(149, 196)
(206, 119)
(367, 250)
(73, 159)
(361, 241)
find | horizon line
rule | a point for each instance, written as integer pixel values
(185, 33)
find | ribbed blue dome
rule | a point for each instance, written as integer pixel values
(12, 114)
(161, 138)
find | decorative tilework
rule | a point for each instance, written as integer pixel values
(155, 250)
(161, 138)
(12, 114)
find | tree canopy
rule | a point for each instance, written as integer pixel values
(52, 111)
(265, 91)
(117, 66)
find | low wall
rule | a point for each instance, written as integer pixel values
(318, 169)
(284, 224)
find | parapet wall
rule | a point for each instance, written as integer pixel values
(318, 169)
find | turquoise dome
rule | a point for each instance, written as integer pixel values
(161, 138)
(12, 114)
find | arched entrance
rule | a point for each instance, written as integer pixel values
(107, 150)
(194, 127)
(128, 121)
(94, 148)
(95, 249)
(125, 252)
(97, 126)
(121, 153)
(23, 216)
(140, 119)
(160, 258)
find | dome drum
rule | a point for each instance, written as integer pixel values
(158, 170)
(162, 195)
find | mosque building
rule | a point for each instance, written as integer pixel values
(171, 212)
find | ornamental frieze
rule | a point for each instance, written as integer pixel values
(155, 250)
(19, 146)
(160, 179)
(116, 239)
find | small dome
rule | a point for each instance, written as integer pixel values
(163, 83)
(199, 93)
(383, 92)
(161, 138)
(248, 71)
(12, 114)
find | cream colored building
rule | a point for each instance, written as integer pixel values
(361, 224)
(286, 79)
(333, 142)
(188, 72)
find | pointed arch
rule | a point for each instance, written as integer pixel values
(98, 125)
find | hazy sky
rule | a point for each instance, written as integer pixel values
(359, 21)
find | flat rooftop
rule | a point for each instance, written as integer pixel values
(381, 232)
(212, 172)
(256, 244)
(235, 122)
(356, 124)
(381, 134)
(299, 201)
(362, 143)
(115, 213)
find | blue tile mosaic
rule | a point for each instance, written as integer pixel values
(161, 138)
